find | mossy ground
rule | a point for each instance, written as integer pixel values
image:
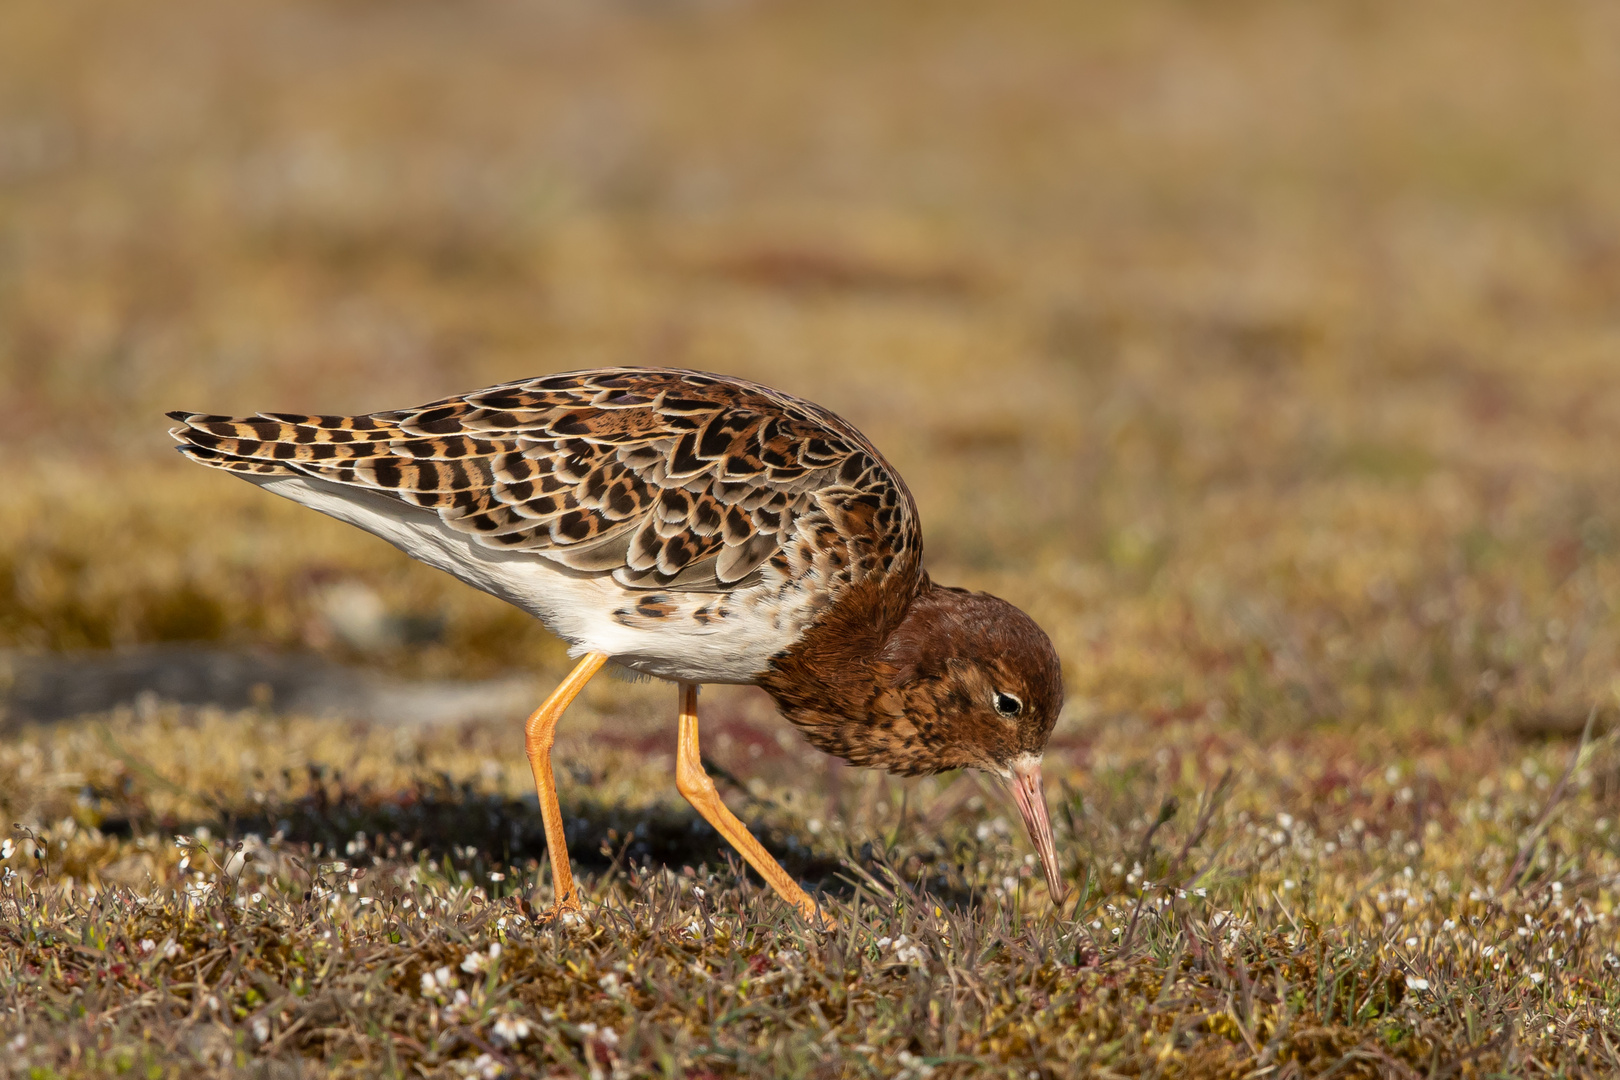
(1265, 353)
(250, 892)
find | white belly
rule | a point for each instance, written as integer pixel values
(691, 642)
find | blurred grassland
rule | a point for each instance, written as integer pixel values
(1268, 354)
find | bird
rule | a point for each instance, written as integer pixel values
(697, 528)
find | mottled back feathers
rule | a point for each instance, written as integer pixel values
(666, 479)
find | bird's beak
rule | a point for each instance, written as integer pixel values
(1031, 798)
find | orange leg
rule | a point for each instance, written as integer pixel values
(538, 734)
(695, 784)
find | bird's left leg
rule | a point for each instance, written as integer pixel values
(695, 784)
(538, 734)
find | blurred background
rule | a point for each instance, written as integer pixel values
(1268, 353)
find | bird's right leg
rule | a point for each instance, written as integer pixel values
(692, 782)
(538, 734)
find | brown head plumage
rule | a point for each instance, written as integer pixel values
(954, 680)
(951, 679)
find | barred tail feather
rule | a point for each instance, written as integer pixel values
(231, 463)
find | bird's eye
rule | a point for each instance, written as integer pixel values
(1006, 704)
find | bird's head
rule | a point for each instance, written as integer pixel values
(969, 681)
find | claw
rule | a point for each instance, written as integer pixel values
(566, 911)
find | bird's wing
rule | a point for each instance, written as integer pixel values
(664, 478)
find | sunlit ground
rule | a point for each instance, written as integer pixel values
(1268, 355)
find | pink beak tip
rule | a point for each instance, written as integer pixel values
(1031, 800)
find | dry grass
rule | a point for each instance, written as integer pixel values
(1265, 352)
(1354, 905)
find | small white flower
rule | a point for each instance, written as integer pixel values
(16, 1044)
(1285, 820)
(1200, 892)
(1416, 984)
(182, 841)
(339, 867)
(1411, 942)
(148, 945)
(496, 875)
(697, 891)
(461, 999)
(485, 1067)
(185, 862)
(7, 848)
(1288, 884)
(171, 949)
(913, 1065)
(909, 952)
(610, 985)
(261, 1029)
(1537, 978)
(1489, 950)
(429, 987)
(1449, 924)
(494, 950)
(510, 1030)
(441, 975)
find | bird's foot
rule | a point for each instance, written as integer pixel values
(818, 917)
(566, 911)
